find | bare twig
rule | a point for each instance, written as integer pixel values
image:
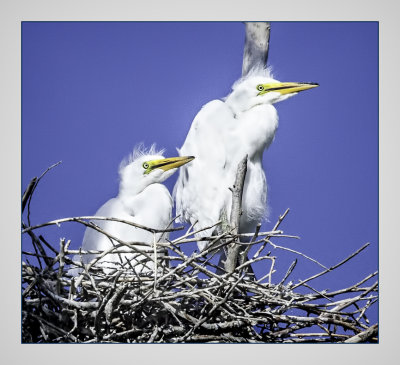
(81, 219)
(32, 189)
(332, 267)
(28, 192)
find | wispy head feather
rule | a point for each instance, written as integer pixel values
(138, 151)
(255, 71)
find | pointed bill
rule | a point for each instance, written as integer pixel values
(170, 163)
(285, 87)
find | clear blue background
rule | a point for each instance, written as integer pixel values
(92, 90)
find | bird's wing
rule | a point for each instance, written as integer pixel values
(201, 189)
(94, 240)
(153, 210)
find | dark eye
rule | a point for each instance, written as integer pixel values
(260, 87)
(145, 165)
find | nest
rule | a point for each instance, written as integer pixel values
(188, 300)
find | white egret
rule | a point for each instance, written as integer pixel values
(142, 199)
(222, 133)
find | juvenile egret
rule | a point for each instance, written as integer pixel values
(142, 199)
(221, 134)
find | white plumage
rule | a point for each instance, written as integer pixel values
(142, 199)
(221, 134)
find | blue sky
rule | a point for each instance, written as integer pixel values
(92, 90)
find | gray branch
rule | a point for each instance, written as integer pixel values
(256, 45)
(28, 192)
(236, 212)
(364, 336)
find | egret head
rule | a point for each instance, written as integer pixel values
(145, 167)
(259, 87)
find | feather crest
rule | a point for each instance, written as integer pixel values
(255, 71)
(138, 151)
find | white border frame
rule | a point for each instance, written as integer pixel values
(12, 12)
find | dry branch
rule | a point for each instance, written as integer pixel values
(256, 45)
(236, 212)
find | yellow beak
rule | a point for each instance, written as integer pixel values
(285, 87)
(170, 163)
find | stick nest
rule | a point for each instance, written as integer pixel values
(186, 300)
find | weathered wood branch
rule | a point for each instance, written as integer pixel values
(236, 212)
(256, 45)
(363, 336)
(28, 192)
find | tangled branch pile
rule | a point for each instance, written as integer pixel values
(187, 302)
(190, 299)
